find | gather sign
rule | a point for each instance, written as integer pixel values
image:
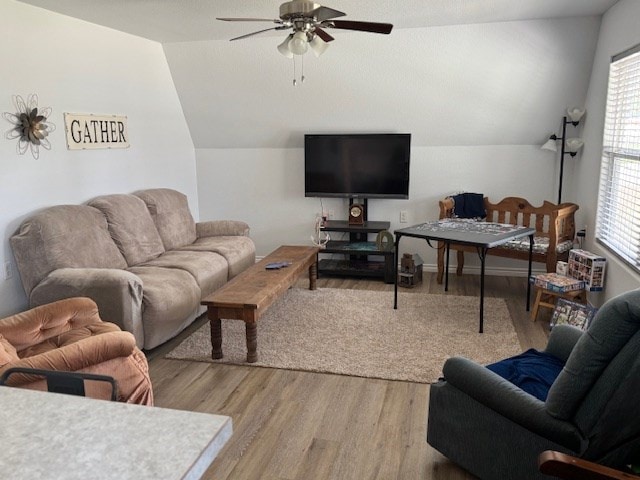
(89, 131)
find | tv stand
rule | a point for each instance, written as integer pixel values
(357, 251)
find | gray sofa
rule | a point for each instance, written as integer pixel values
(495, 430)
(141, 257)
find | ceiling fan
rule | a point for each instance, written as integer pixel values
(308, 21)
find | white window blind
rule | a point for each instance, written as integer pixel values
(618, 218)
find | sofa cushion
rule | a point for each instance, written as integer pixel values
(209, 269)
(540, 245)
(131, 227)
(171, 298)
(239, 252)
(64, 236)
(170, 212)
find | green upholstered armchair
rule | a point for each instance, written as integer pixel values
(495, 430)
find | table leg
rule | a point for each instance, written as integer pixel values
(216, 338)
(446, 269)
(529, 272)
(252, 342)
(395, 275)
(313, 275)
(482, 252)
(536, 304)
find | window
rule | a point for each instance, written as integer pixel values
(618, 219)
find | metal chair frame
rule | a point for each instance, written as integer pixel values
(71, 383)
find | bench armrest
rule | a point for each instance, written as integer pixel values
(565, 224)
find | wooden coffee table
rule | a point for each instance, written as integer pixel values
(248, 295)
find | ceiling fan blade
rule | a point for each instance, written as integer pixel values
(361, 26)
(256, 33)
(323, 35)
(325, 13)
(250, 20)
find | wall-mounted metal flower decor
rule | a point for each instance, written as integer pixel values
(30, 125)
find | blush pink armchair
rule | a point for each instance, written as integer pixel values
(68, 335)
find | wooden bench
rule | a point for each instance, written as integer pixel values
(554, 224)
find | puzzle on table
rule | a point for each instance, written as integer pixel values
(474, 226)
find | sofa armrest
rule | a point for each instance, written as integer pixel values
(506, 399)
(77, 356)
(216, 228)
(40, 323)
(118, 294)
(562, 340)
(562, 465)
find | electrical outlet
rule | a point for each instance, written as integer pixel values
(403, 216)
(8, 270)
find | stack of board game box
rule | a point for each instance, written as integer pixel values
(588, 267)
(555, 282)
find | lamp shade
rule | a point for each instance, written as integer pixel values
(318, 46)
(575, 113)
(283, 48)
(550, 144)
(574, 144)
(298, 43)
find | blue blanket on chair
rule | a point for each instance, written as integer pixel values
(532, 371)
(469, 205)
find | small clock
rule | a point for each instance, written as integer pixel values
(356, 214)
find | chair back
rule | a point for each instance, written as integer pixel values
(72, 383)
(599, 388)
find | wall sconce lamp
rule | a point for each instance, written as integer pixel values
(568, 146)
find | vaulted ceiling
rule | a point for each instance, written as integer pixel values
(452, 72)
(193, 20)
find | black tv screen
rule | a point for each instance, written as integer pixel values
(357, 165)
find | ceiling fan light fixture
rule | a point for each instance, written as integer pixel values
(318, 46)
(283, 48)
(298, 44)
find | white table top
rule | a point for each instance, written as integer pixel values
(56, 436)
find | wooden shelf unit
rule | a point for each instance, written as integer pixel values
(357, 251)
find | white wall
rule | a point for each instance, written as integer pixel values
(619, 31)
(471, 132)
(265, 187)
(503, 83)
(479, 100)
(75, 66)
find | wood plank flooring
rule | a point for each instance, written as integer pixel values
(298, 425)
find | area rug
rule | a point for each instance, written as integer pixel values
(357, 332)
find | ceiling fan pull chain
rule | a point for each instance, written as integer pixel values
(302, 69)
(295, 82)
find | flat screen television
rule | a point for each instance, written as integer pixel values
(357, 165)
